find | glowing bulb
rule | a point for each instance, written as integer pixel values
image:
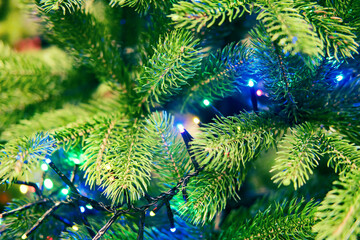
(173, 229)
(196, 120)
(75, 160)
(108, 166)
(251, 83)
(48, 184)
(24, 236)
(259, 92)
(82, 209)
(181, 128)
(152, 213)
(47, 160)
(75, 228)
(339, 77)
(206, 102)
(88, 206)
(65, 191)
(44, 167)
(24, 189)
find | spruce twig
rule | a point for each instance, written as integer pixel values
(47, 214)
(24, 207)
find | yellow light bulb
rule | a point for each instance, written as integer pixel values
(196, 120)
(24, 236)
(75, 228)
(24, 189)
(152, 213)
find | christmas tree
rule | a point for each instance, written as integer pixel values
(96, 126)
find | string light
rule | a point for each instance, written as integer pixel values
(339, 77)
(48, 183)
(82, 209)
(44, 167)
(173, 229)
(180, 127)
(47, 160)
(196, 120)
(259, 92)
(251, 82)
(24, 189)
(108, 166)
(88, 206)
(75, 228)
(24, 236)
(206, 102)
(152, 213)
(65, 191)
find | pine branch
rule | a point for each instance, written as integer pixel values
(338, 213)
(21, 156)
(208, 194)
(95, 46)
(174, 62)
(288, 28)
(288, 220)
(24, 207)
(299, 154)
(205, 13)
(47, 214)
(28, 79)
(143, 5)
(169, 154)
(336, 35)
(64, 5)
(233, 141)
(220, 75)
(117, 161)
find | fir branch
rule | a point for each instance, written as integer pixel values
(288, 220)
(208, 194)
(16, 224)
(233, 141)
(288, 28)
(64, 5)
(338, 213)
(285, 76)
(343, 155)
(335, 34)
(143, 5)
(117, 161)
(220, 75)
(47, 214)
(21, 156)
(299, 154)
(84, 37)
(24, 207)
(199, 14)
(29, 79)
(169, 154)
(174, 62)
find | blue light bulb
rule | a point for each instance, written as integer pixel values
(339, 77)
(181, 128)
(82, 209)
(251, 82)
